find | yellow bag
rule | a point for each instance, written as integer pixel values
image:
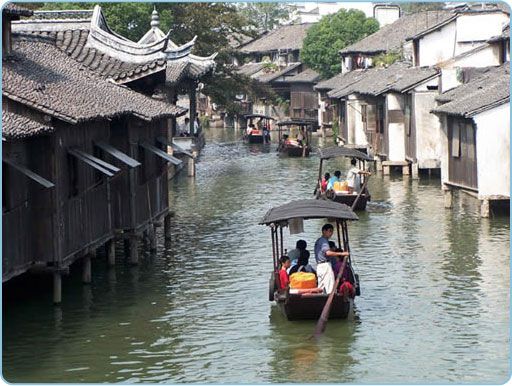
(340, 186)
(301, 280)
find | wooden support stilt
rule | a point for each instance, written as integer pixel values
(111, 252)
(86, 269)
(191, 167)
(126, 245)
(484, 208)
(385, 170)
(406, 170)
(134, 251)
(378, 163)
(167, 227)
(448, 197)
(152, 238)
(415, 171)
(57, 287)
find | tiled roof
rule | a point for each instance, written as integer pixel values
(249, 68)
(307, 76)
(287, 37)
(13, 9)
(41, 76)
(488, 90)
(16, 126)
(392, 36)
(72, 39)
(398, 77)
(329, 84)
(269, 77)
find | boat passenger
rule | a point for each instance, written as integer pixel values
(337, 267)
(332, 180)
(325, 180)
(249, 129)
(283, 275)
(302, 264)
(353, 179)
(301, 136)
(322, 253)
(294, 254)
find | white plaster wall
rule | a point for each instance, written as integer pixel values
(438, 46)
(396, 131)
(493, 151)
(356, 133)
(444, 148)
(321, 109)
(486, 57)
(479, 27)
(428, 131)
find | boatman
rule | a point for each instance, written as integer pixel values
(323, 251)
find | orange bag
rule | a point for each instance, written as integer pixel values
(301, 280)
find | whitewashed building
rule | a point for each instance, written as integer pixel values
(475, 139)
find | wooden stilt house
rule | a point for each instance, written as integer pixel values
(83, 159)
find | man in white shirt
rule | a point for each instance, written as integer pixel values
(353, 178)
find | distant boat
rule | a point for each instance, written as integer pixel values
(297, 143)
(259, 133)
(342, 196)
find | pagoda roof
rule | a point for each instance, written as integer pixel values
(114, 57)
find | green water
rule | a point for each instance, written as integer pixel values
(434, 308)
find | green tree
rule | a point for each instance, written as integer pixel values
(265, 15)
(332, 33)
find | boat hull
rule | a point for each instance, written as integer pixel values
(295, 151)
(303, 307)
(256, 139)
(348, 199)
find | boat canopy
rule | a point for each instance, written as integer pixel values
(295, 123)
(257, 116)
(309, 209)
(340, 151)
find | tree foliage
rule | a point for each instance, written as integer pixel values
(265, 16)
(332, 33)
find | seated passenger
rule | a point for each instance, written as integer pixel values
(345, 275)
(294, 254)
(332, 180)
(302, 264)
(283, 275)
(325, 180)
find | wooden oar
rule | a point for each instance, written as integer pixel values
(360, 191)
(322, 321)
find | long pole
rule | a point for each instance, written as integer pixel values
(322, 321)
(360, 191)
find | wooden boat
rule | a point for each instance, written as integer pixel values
(297, 304)
(259, 133)
(289, 145)
(343, 196)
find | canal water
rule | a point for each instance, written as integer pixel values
(434, 307)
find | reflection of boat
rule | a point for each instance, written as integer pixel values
(343, 196)
(259, 133)
(298, 304)
(297, 142)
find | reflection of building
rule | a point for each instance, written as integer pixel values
(83, 159)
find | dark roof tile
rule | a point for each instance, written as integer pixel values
(16, 126)
(288, 37)
(43, 77)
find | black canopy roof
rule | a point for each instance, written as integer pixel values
(257, 116)
(295, 123)
(340, 151)
(308, 209)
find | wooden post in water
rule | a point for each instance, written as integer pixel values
(167, 226)
(134, 252)
(57, 287)
(111, 252)
(86, 269)
(152, 237)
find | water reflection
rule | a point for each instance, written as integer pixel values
(435, 290)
